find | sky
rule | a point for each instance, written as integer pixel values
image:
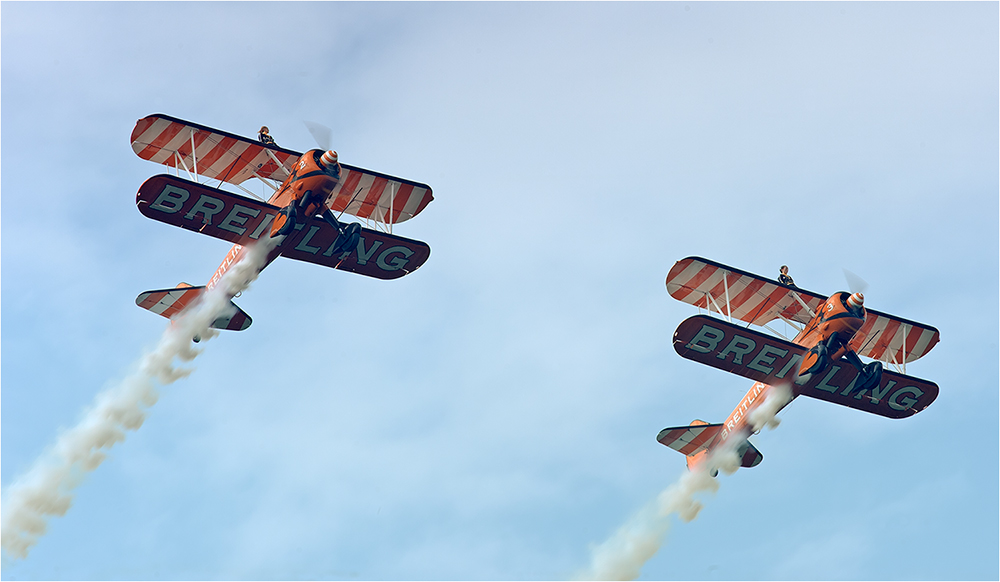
(493, 415)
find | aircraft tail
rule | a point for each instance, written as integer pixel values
(696, 440)
(170, 302)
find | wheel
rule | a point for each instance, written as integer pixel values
(816, 360)
(348, 238)
(284, 223)
(869, 377)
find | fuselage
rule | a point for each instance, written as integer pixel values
(837, 316)
(313, 178)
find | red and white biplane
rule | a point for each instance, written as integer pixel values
(821, 361)
(309, 193)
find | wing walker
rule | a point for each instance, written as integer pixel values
(311, 192)
(822, 360)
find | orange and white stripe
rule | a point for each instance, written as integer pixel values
(893, 340)
(689, 439)
(381, 198)
(707, 284)
(216, 155)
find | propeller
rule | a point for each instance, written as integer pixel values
(321, 133)
(857, 285)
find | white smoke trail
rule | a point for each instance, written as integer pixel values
(622, 556)
(46, 490)
(765, 414)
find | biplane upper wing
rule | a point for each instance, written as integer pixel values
(739, 294)
(243, 220)
(209, 152)
(232, 158)
(893, 339)
(765, 358)
(759, 300)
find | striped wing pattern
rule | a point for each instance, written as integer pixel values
(689, 440)
(231, 158)
(758, 300)
(170, 302)
(752, 299)
(381, 198)
(891, 339)
(216, 155)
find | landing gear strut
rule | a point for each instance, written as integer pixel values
(284, 223)
(869, 376)
(348, 236)
(817, 358)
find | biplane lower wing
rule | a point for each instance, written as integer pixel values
(767, 359)
(241, 220)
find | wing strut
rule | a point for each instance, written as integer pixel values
(194, 153)
(794, 324)
(712, 299)
(803, 304)
(179, 163)
(392, 200)
(274, 158)
(729, 308)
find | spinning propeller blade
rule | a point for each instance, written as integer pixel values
(855, 283)
(321, 133)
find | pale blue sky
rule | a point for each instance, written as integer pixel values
(494, 414)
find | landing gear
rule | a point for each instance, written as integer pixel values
(816, 360)
(348, 236)
(284, 223)
(869, 375)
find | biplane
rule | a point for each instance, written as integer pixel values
(309, 194)
(821, 360)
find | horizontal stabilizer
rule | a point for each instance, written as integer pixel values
(170, 302)
(749, 455)
(690, 440)
(765, 358)
(697, 439)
